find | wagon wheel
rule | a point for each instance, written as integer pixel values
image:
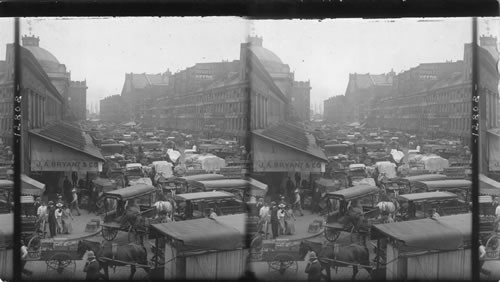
(109, 233)
(61, 261)
(331, 234)
(283, 262)
(34, 247)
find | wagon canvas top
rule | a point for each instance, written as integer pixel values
(233, 184)
(131, 191)
(354, 192)
(204, 195)
(447, 184)
(444, 233)
(426, 177)
(428, 196)
(202, 177)
(4, 183)
(222, 233)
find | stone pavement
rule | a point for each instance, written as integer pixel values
(301, 227)
(79, 225)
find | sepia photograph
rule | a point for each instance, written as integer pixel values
(188, 148)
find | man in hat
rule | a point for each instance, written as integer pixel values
(435, 214)
(52, 219)
(313, 268)
(74, 201)
(297, 205)
(92, 268)
(274, 220)
(24, 257)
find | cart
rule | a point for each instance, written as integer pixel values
(280, 254)
(59, 255)
(114, 201)
(337, 203)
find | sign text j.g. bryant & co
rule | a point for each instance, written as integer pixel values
(48, 165)
(287, 165)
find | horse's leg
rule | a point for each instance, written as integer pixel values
(132, 272)
(354, 271)
(328, 272)
(106, 272)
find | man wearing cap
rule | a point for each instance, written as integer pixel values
(52, 219)
(297, 205)
(74, 201)
(313, 268)
(92, 267)
(274, 220)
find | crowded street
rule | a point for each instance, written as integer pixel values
(214, 151)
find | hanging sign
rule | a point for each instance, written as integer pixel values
(79, 165)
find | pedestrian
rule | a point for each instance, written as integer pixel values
(281, 219)
(42, 214)
(497, 210)
(212, 214)
(67, 186)
(92, 268)
(74, 178)
(265, 218)
(36, 205)
(482, 257)
(313, 268)
(290, 187)
(52, 219)
(66, 216)
(297, 179)
(297, 205)
(74, 201)
(24, 259)
(274, 220)
(315, 200)
(435, 214)
(58, 214)
(259, 205)
(290, 221)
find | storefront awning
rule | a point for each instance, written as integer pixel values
(31, 187)
(488, 186)
(286, 147)
(63, 147)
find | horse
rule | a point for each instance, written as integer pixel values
(333, 255)
(164, 208)
(388, 207)
(130, 254)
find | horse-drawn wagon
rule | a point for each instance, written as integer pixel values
(198, 205)
(128, 209)
(350, 209)
(59, 255)
(200, 248)
(420, 205)
(425, 249)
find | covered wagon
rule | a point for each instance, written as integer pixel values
(425, 249)
(200, 249)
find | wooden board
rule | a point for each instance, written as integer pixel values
(201, 267)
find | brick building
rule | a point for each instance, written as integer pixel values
(77, 100)
(73, 92)
(140, 92)
(41, 101)
(300, 101)
(336, 110)
(435, 99)
(113, 109)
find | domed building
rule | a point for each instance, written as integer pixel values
(73, 92)
(298, 92)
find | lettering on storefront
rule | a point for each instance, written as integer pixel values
(64, 165)
(287, 165)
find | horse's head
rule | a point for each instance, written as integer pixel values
(84, 246)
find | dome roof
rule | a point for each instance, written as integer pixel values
(42, 55)
(264, 55)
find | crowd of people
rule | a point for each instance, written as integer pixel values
(56, 215)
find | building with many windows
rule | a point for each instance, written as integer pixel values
(73, 92)
(113, 109)
(435, 99)
(253, 92)
(140, 92)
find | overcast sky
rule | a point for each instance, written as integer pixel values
(102, 50)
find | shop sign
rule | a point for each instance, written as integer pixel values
(50, 165)
(289, 165)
